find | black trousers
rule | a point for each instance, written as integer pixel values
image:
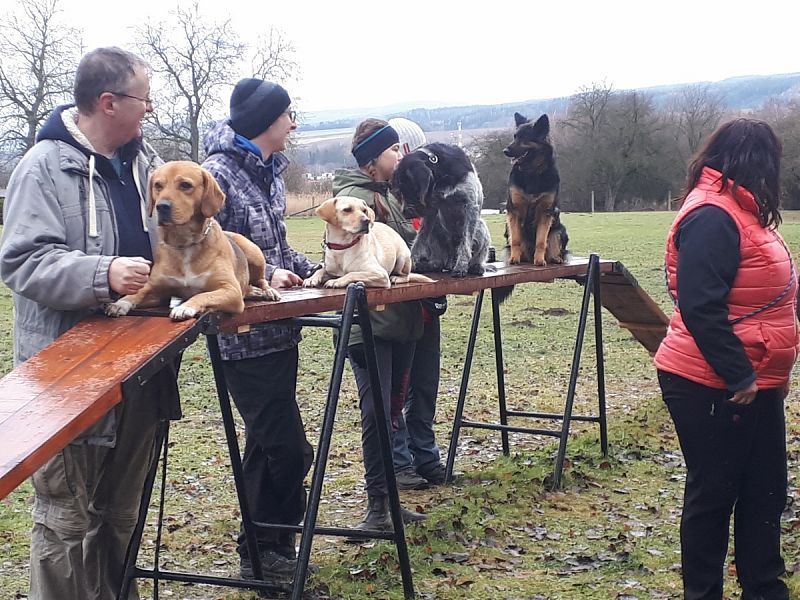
(394, 364)
(277, 455)
(736, 463)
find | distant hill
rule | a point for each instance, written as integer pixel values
(738, 93)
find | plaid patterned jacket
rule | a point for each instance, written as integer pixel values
(255, 202)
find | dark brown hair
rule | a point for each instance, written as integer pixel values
(747, 152)
(363, 130)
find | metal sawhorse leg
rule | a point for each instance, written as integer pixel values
(355, 308)
(591, 288)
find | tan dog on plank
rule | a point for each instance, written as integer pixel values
(195, 259)
(359, 249)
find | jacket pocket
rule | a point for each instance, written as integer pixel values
(755, 344)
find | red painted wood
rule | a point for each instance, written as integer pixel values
(297, 302)
(49, 400)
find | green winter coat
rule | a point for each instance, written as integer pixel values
(402, 321)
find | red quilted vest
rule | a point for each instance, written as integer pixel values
(766, 272)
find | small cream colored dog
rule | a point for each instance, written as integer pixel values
(359, 249)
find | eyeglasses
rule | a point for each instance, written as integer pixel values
(147, 101)
(292, 115)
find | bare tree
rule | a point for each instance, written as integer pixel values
(693, 114)
(486, 153)
(781, 114)
(588, 110)
(192, 60)
(608, 141)
(40, 54)
(627, 143)
(273, 57)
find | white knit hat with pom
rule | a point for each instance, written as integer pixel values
(410, 134)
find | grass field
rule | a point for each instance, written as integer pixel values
(612, 532)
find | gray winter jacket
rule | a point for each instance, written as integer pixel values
(59, 238)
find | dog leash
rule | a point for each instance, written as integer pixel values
(767, 306)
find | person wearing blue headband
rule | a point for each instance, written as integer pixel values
(415, 449)
(396, 329)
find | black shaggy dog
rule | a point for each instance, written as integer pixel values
(438, 183)
(533, 229)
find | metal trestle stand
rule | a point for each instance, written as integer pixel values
(591, 283)
(355, 310)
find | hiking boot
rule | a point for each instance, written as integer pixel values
(273, 566)
(288, 549)
(435, 475)
(407, 479)
(380, 517)
(287, 545)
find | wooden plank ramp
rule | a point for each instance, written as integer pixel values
(635, 310)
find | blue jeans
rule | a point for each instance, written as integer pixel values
(415, 444)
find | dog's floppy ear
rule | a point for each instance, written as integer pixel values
(423, 182)
(213, 197)
(151, 197)
(327, 211)
(370, 213)
(519, 119)
(542, 127)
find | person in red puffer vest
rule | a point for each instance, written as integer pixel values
(725, 363)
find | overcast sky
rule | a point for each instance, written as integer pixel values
(356, 54)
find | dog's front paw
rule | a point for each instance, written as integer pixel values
(476, 269)
(182, 312)
(263, 293)
(272, 294)
(120, 308)
(538, 259)
(514, 256)
(335, 283)
(315, 280)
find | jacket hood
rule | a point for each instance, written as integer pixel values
(62, 126)
(55, 128)
(220, 139)
(345, 178)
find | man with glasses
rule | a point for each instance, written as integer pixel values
(77, 236)
(245, 155)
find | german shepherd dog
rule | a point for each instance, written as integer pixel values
(533, 229)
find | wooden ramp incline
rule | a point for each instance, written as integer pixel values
(635, 310)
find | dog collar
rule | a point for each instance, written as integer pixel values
(335, 246)
(202, 237)
(431, 156)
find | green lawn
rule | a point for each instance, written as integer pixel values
(612, 532)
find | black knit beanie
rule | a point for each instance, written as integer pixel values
(255, 105)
